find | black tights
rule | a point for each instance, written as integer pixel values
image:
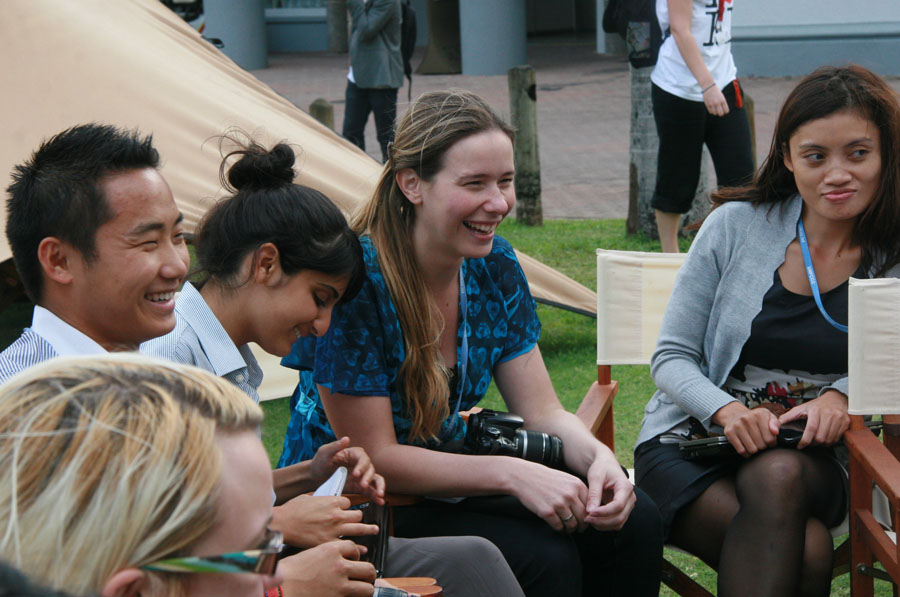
(765, 529)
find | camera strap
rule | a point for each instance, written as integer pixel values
(462, 358)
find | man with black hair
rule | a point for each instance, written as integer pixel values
(98, 244)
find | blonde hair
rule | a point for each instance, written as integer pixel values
(111, 462)
(431, 125)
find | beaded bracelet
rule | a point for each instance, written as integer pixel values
(711, 85)
(280, 594)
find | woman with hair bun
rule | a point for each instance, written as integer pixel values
(445, 309)
(275, 257)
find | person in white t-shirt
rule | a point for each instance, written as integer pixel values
(696, 100)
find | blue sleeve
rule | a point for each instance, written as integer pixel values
(523, 328)
(362, 351)
(302, 356)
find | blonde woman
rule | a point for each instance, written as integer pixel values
(124, 476)
(444, 309)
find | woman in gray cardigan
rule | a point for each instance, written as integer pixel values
(747, 349)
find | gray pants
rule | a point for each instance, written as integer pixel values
(463, 566)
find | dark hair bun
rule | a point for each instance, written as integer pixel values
(260, 169)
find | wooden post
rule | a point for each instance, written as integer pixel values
(322, 110)
(750, 106)
(643, 147)
(523, 109)
(642, 170)
(336, 15)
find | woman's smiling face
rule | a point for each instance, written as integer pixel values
(459, 209)
(836, 162)
(293, 306)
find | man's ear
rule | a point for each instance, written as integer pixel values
(56, 259)
(266, 264)
(410, 185)
(787, 157)
(128, 582)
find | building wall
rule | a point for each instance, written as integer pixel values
(296, 29)
(778, 38)
(305, 28)
(771, 37)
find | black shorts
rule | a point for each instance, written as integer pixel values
(684, 126)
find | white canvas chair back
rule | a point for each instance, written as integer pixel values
(632, 291)
(874, 346)
(874, 359)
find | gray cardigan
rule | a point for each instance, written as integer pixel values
(375, 44)
(718, 293)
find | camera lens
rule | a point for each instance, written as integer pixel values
(540, 447)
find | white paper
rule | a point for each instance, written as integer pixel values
(335, 484)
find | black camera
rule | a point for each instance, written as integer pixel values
(490, 432)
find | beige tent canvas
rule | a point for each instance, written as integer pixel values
(136, 64)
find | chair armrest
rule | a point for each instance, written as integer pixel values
(876, 460)
(415, 585)
(595, 411)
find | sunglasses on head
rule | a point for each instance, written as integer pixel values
(261, 560)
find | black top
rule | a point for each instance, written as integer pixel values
(790, 333)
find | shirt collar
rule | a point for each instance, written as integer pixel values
(254, 371)
(65, 339)
(218, 347)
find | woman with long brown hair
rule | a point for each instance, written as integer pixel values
(444, 310)
(274, 258)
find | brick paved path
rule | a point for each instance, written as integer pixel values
(583, 115)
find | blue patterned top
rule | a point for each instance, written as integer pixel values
(362, 352)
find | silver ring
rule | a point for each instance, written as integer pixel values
(567, 518)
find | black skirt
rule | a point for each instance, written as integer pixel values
(673, 482)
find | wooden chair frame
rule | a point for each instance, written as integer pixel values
(596, 413)
(872, 461)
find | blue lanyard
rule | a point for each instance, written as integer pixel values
(462, 363)
(811, 274)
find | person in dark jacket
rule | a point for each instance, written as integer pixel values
(376, 70)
